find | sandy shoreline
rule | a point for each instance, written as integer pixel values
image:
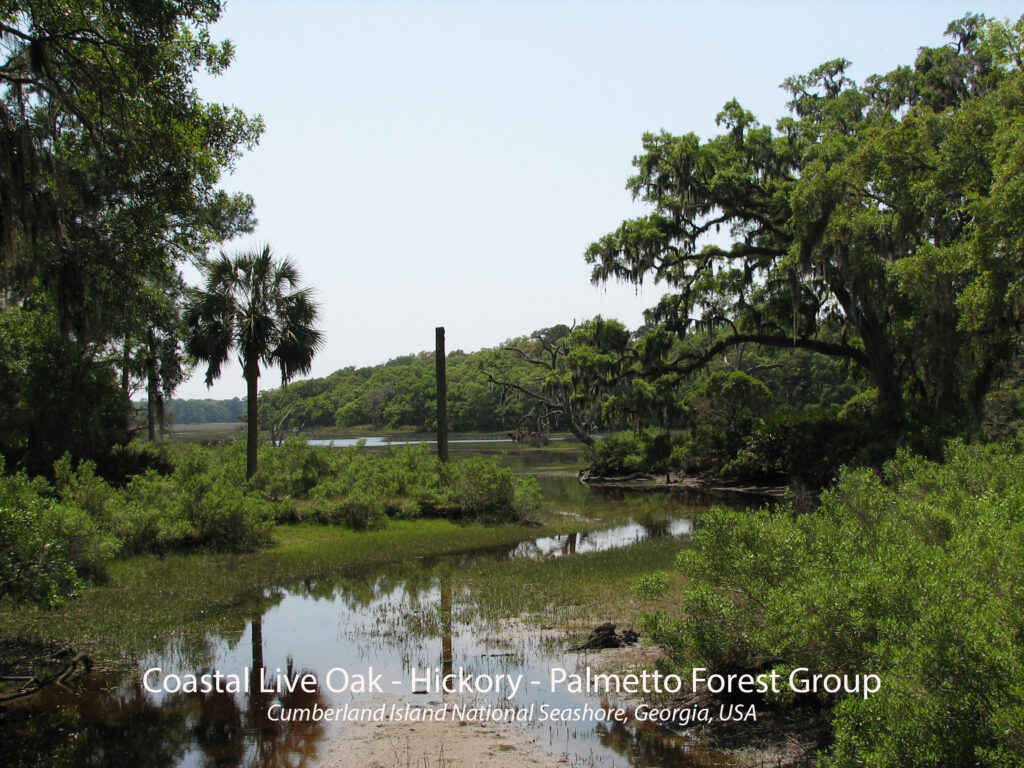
(451, 743)
(445, 743)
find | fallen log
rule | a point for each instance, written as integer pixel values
(31, 684)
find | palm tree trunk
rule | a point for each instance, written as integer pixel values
(252, 374)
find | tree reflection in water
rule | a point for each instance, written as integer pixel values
(234, 732)
(109, 724)
(646, 744)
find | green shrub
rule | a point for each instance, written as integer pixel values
(124, 462)
(480, 487)
(151, 519)
(290, 470)
(649, 450)
(34, 564)
(913, 575)
(616, 455)
(228, 519)
(88, 546)
(83, 487)
(526, 496)
(358, 512)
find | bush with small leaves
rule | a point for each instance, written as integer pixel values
(912, 575)
(34, 564)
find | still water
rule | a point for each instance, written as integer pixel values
(393, 618)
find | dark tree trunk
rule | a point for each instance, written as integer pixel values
(153, 406)
(125, 363)
(890, 395)
(126, 388)
(252, 429)
(579, 432)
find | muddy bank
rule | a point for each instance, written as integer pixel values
(686, 484)
(775, 739)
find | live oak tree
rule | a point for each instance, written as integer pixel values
(252, 303)
(878, 223)
(576, 370)
(103, 136)
(109, 165)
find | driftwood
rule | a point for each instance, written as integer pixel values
(605, 636)
(31, 684)
(702, 485)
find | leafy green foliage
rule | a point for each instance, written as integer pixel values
(483, 488)
(358, 511)
(721, 412)
(574, 374)
(291, 470)
(913, 576)
(51, 399)
(769, 425)
(151, 518)
(648, 450)
(109, 178)
(873, 224)
(34, 565)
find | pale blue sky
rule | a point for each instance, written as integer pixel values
(447, 163)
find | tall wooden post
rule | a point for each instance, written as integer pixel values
(442, 395)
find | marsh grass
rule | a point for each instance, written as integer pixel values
(590, 587)
(185, 598)
(572, 594)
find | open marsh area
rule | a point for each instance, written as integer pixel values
(506, 599)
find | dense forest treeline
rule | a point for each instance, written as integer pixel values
(488, 390)
(401, 393)
(588, 379)
(198, 410)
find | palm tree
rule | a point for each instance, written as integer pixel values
(252, 302)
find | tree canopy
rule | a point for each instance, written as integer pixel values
(109, 171)
(877, 223)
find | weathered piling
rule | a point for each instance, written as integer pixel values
(442, 395)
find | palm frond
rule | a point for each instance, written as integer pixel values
(252, 302)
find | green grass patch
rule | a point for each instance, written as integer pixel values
(572, 593)
(191, 597)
